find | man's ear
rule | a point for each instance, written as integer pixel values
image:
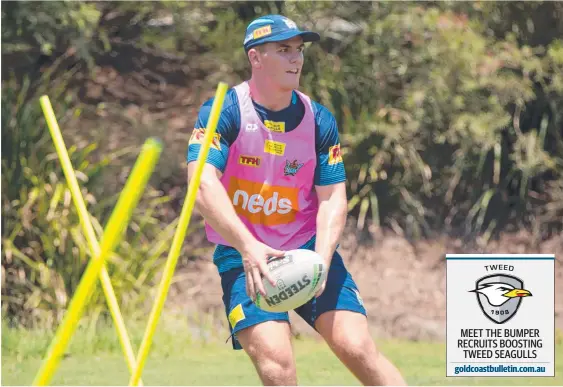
(254, 58)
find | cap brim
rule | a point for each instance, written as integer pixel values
(308, 36)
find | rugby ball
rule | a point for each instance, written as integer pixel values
(298, 275)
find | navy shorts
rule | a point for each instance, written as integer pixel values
(341, 293)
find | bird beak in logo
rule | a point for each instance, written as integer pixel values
(517, 293)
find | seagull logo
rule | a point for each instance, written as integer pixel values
(498, 293)
(499, 296)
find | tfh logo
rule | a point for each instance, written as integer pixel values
(251, 161)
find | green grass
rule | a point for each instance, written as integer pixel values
(179, 359)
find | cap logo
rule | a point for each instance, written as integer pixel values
(262, 31)
(290, 24)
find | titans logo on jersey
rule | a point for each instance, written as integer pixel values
(291, 167)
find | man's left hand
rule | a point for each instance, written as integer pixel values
(321, 290)
(323, 285)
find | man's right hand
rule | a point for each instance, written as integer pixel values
(254, 260)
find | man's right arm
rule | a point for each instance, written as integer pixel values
(212, 201)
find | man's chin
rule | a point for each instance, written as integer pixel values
(289, 86)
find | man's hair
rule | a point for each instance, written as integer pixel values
(260, 48)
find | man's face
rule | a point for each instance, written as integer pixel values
(282, 62)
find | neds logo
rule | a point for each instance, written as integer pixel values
(256, 203)
(265, 204)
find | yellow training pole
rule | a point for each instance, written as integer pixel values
(87, 228)
(180, 234)
(113, 231)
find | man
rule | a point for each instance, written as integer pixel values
(274, 181)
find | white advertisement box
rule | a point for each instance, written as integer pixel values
(500, 315)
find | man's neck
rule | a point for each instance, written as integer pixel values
(271, 99)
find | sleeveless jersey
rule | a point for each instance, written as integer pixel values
(269, 177)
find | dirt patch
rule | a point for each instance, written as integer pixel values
(403, 284)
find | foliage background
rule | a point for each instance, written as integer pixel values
(451, 118)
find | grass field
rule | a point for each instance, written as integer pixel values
(95, 358)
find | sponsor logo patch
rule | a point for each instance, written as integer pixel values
(278, 127)
(274, 147)
(265, 204)
(198, 136)
(261, 32)
(291, 168)
(251, 128)
(236, 315)
(250, 161)
(334, 154)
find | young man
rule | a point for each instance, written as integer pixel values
(274, 181)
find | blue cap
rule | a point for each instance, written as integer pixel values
(274, 28)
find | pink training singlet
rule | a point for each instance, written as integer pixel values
(269, 178)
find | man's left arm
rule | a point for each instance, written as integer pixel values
(330, 186)
(331, 219)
